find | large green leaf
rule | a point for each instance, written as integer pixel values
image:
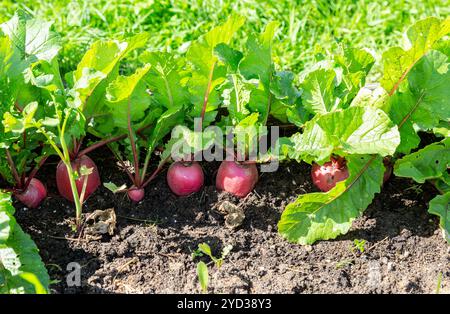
(11, 65)
(442, 129)
(430, 162)
(207, 75)
(257, 63)
(21, 268)
(318, 91)
(236, 96)
(32, 37)
(229, 56)
(128, 90)
(440, 206)
(166, 79)
(164, 125)
(98, 67)
(429, 81)
(372, 95)
(355, 130)
(283, 87)
(13, 83)
(6, 217)
(323, 216)
(353, 60)
(332, 85)
(37, 47)
(422, 37)
(425, 101)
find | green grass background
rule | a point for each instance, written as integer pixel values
(308, 27)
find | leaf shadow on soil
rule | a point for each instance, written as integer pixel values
(397, 210)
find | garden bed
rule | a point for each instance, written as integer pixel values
(151, 250)
(374, 127)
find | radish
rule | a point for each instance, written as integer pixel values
(185, 178)
(326, 176)
(135, 194)
(33, 195)
(63, 183)
(236, 178)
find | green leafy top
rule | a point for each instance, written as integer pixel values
(423, 103)
(206, 74)
(355, 130)
(332, 85)
(32, 37)
(386, 122)
(430, 162)
(440, 206)
(96, 70)
(17, 141)
(422, 37)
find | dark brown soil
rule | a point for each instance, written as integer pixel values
(404, 252)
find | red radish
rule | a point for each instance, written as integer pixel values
(135, 194)
(33, 195)
(236, 178)
(185, 178)
(63, 183)
(325, 177)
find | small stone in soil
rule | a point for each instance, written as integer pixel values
(390, 266)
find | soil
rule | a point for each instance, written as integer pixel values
(152, 248)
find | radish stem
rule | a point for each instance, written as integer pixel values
(137, 179)
(66, 160)
(13, 168)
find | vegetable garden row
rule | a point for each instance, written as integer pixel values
(354, 134)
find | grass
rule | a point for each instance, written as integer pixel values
(439, 284)
(307, 27)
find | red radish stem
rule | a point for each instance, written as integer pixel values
(133, 147)
(34, 171)
(109, 140)
(157, 170)
(13, 169)
(100, 144)
(207, 92)
(237, 178)
(136, 192)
